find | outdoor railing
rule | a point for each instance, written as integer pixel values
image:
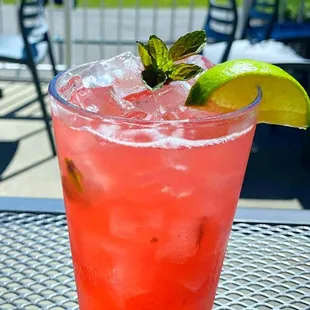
(96, 30)
(88, 32)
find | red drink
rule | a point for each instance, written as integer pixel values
(150, 196)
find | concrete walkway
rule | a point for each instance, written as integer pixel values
(32, 171)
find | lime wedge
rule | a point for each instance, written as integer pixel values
(234, 85)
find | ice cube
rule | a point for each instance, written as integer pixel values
(92, 108)
(171, 97)
(132, 111)
(96, 76)
(156, 104)
(109, 130)
(134, 273)
(196, 279)
(144, 100)
(122, 223)
(104, 101)
(187, 259)
(184, 113)
(101, 99)
(182, 241)
(124, 73)
(167, 103)
(73, 85)
(136, 114)
(200, 61)
(170, 101)
(142, 135)
(114, 87)
(138, 224)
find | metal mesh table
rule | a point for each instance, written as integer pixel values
(267, 265)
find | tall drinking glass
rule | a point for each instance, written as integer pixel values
(149, 204)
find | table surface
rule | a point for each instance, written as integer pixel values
(267, 265)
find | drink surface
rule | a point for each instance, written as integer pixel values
(149, 207)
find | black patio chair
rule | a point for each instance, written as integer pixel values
(221, 25)
(30, 48)
(262, 17)
(263, 23)
(221, 29)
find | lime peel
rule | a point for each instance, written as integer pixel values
(233, 84)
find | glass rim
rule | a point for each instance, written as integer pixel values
(53, 91)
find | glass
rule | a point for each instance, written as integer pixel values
(149, 204)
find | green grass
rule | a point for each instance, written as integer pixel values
(143, 3)
(164, 3)
(159, 3)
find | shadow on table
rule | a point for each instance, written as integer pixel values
(278, 170)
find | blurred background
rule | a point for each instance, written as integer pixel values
(39, 38)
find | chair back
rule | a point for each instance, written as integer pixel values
(33, 24)
(261, 19)
(221, 22)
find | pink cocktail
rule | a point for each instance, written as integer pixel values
(150, 186)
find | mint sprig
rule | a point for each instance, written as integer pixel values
(159, 62)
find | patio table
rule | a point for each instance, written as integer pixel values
(267, 265)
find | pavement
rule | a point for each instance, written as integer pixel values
(275, 175)
(32, 172)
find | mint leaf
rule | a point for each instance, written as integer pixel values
(183, 72)
(159, 52)
(144, 55)
(190, 44)
(74, 174)
(154, 79)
